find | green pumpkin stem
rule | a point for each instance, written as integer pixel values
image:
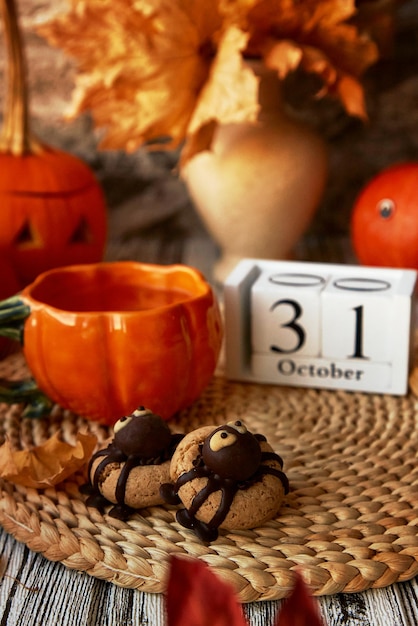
(16, 137)
(27, 392)
(13, 313)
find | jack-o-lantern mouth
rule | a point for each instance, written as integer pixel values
(49, 194)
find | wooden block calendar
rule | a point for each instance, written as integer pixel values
(320, 325)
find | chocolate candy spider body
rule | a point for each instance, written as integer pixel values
(231, 459)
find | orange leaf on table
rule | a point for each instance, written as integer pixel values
(197, 597)
(47, 464)
(299, 609)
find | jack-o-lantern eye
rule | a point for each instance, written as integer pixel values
(122, 423)
(82, 233)
(221, 439)
(26, 237)
(239, 426)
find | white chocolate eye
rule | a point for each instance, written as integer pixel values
(121, 423)
(239, 426)
(141, 411)
(221, 439)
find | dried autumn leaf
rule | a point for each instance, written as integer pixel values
(47, 464)
(231, 94)
(196, 597)
(317, 37)
(379, 24)
(174, 69)
(142, 65)
(299, 609)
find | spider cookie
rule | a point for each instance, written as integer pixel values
(129, 471)
(225, 477)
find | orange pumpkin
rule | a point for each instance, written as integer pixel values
(101, 339)
(384, 224)
(52, 209)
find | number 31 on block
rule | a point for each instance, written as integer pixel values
(320, 325)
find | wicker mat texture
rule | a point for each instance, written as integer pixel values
(350, 521)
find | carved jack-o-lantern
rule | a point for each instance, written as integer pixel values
(52, 210)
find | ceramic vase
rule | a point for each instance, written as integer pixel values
(258, 187)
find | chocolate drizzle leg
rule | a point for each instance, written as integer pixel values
(266, 469)
(110, 455)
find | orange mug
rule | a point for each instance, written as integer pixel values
(101, 339)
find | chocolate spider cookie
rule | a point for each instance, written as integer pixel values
(129, 471)
(225, 477)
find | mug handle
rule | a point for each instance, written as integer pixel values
(13, 313)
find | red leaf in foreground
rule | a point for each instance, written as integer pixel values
(300, 608)
(196, 597)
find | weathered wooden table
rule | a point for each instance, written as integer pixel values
(35, 591)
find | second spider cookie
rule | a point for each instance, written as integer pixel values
(225, 477)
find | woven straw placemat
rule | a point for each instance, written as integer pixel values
(350, 521)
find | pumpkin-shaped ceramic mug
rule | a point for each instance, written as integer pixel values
(101, 339)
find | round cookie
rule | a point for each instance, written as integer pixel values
(226, 477)
(142, 486)
(130, 470)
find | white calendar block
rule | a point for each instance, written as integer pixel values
(320, 325)
(283, 304)
(357, 317)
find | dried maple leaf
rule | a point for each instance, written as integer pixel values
(379, 22)
(230, 95)
(316, 36)
(47, 464)
(197, 597)
(174, 69)
(142, 65)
